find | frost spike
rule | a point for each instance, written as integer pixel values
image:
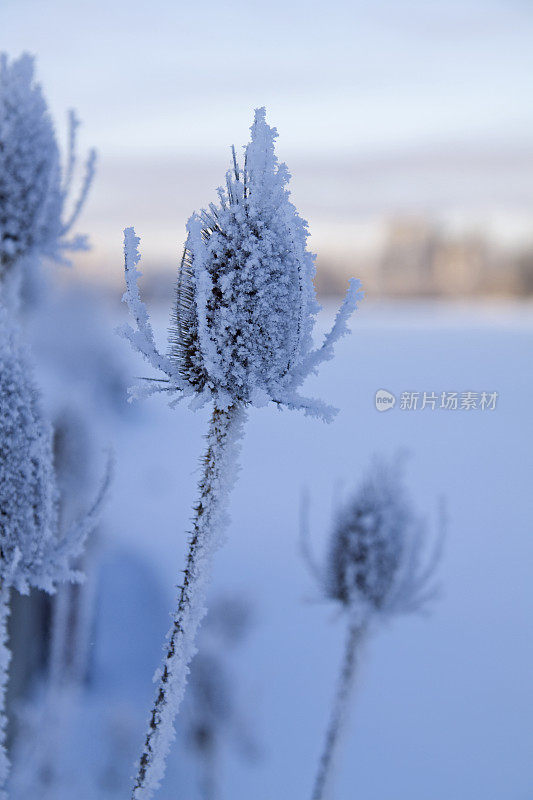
(340, 327)
(141, 339)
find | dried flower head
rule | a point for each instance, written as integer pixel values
(245, 301)
(33, 190)
(375, 554)
(32, 553)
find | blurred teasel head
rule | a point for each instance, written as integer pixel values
(32, 550)
(375, 562)
(245, 302)
(34, 189)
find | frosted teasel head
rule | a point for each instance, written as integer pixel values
(34, 189)
(377, 561)
(32, 550)
(245, 301)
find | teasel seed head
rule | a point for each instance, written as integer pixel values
(241, 330)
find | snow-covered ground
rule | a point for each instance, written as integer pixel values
(443, 705)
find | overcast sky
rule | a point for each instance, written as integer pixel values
(167, 83)
(335, 76)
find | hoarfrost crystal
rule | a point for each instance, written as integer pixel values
(245, 300)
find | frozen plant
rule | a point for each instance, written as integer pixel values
(240, 337)
(83, 382)
(46, 716)
(30, 552)
(374, 569)
(33, 553)
(34, 189)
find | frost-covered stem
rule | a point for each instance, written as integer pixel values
(218, 477)
(5, 658)
(338, 712)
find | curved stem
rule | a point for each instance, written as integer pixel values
(219, 473)
(339, 711)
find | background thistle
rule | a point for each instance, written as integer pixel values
(34, 190)
(36, 216)
(33, 552)
(374, 568)
(241, 336)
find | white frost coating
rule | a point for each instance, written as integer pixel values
(32, 551)
(241, 336)
(33, 195)
(28, 500)
(340, 328)
(219, 475)
(141, 339)
(245, 302)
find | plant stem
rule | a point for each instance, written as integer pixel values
(5, 658)
(218, 478)
(339, 711)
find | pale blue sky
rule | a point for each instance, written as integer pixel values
(337, 76)
(384, 107)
